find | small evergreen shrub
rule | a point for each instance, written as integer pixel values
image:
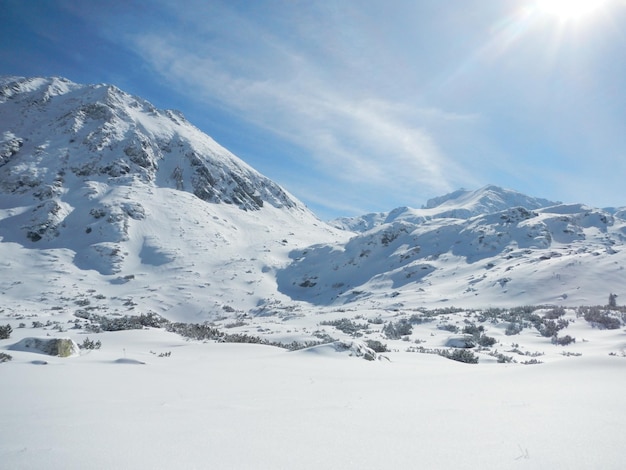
(563, 341)
(486, 341)
(376, 346)
(473, 330)
(600, 318)
(4, 357)
(448, 327)
(347, 326)
(460, 355)
(555, 313)
(90, 344)
(195, 331)
(127, 322)
(550, 328)
(513, 329)
(398, 329)
(532, 361)
(5, 331)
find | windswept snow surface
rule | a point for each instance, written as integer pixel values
(229, 406)
(116, 215)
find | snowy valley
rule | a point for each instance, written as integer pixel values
(210, 320)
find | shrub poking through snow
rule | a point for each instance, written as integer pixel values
(127, 322)
(376, 346)
(460, 355)
(398, 329)
(600, 318)
(486, 341)
(563, 341)
(347, 326)
(4, 357)
(550, 328)
(555, 313)
(5, 331)
(513, 328)
(90, 344)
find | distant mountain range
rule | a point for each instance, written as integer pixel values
(102, 192)
(461, 204)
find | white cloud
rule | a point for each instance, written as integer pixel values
(350, 135)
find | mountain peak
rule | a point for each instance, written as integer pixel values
(99, 131)
(488, 199)
(459, 204)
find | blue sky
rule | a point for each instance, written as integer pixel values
(359, 106)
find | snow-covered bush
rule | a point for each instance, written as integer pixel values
(460, 355)
(600, 317)
(195, 331)
(376, 346)
(398, 329)
(90, 344)
(513, 328)
(4, 357)
(5, 331)
(486, 341)
(563, 341)
(448, 327)
(473, 330)
(243, 338)
(347, 326)
(550, 328)
(128, 322)
(555, 313)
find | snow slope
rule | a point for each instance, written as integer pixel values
(101, 191)
(469, 248)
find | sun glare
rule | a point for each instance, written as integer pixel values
(569, 9)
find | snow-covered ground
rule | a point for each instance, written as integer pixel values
(153, 399)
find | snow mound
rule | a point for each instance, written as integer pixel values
(349, 348)
(124, 360)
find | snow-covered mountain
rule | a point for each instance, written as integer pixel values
(487, 247)
(99, 188)
(103, 194)
(461, 204)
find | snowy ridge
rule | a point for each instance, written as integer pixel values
(461, 204)
(550, 255)
(99, 131)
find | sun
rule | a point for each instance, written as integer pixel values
(567, 10)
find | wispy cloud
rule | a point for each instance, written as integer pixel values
(351, 134)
